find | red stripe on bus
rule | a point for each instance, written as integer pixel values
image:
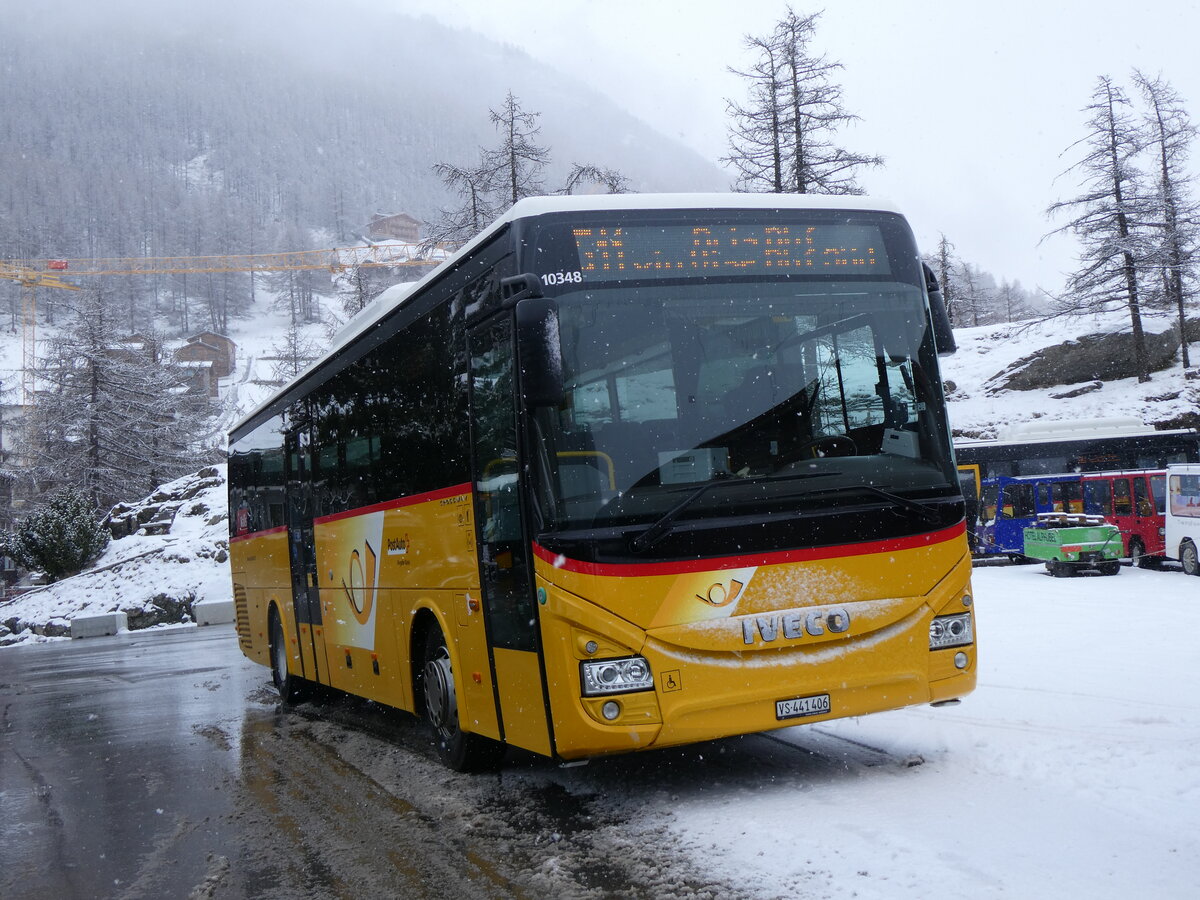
(439, 494)
(681, 567)
(254, 534)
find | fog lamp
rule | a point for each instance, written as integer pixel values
(615, 676)
(960, 660)
(610, 710)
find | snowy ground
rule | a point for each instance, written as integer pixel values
(1072, 771)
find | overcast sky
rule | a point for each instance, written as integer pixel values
(972, 104)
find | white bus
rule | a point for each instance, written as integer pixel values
(1183, 515)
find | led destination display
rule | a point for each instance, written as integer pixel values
(620, 252)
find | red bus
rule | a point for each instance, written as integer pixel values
(1135, 501)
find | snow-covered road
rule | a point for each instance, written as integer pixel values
(1073, 770)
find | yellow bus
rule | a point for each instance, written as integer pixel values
(625, 472)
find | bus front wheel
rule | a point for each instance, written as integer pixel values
(287, 684)
(1189, 558)
(458, 749)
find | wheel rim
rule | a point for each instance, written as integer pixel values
(441, 701)
(1189, 558)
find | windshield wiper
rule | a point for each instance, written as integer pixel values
(662, 527)
(924, 510)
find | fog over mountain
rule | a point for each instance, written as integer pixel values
(178, 128)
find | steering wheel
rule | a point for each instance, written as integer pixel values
(826, 445)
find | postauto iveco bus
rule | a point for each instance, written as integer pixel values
(625, 472)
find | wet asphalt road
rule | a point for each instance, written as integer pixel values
(161, 765)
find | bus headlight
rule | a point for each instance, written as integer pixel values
(951, 631)
(615, 676)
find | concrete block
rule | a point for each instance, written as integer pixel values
(213, 612)
(98, 625)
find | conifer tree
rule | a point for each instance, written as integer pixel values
(58, 537)
(505, 174)
(109, 418)
(1110, 217)
(1170, 133)
(783, 138)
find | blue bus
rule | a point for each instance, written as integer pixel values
(1008, 505)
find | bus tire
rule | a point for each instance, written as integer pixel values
(289, 686)
(459, 750)
(1189, 558)
(1137, 555)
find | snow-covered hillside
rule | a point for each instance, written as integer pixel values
(154, 579)
(980, 410)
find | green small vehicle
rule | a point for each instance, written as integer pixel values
(1072, 542)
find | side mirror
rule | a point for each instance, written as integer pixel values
(943, 334)
(539, 353)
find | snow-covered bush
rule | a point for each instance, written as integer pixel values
(59, 537)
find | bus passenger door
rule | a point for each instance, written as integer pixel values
(505, 569)
(302, 554)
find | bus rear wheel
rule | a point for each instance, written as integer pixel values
(1189, 558)
(288, 685)
(459, 750)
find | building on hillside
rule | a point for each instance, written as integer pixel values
(208, 346)
(199, 377)
(136, 347)
(396, 227)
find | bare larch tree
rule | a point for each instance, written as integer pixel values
(609, 180)
(515, 167)
(111, 418)
(1110, 218)
(505, 174)
(783, 138)
(1169, 134)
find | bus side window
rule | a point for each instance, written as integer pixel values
(1097, 498)
(1122, 503)
(1022, 501)
(1158, 487)
(1141, 497)
(1044, 502)
(1004, 502)
(1068, 497)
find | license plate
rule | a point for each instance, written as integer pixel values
(816, 705)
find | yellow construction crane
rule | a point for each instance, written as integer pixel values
(30, 280)
(32, 274)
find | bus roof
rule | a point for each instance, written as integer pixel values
(531, 207)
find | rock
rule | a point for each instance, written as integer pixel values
(1079, 391)
(1093, 357)
(161, 610)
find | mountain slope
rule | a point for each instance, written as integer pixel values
(234, 127)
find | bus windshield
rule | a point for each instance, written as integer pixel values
(784, 392)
